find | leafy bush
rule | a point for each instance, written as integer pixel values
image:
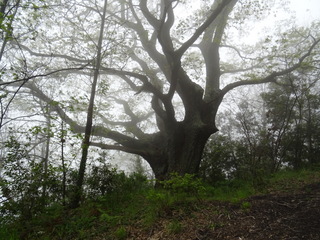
(157, 197)
(101, 180)
(105, 179)
(23, 182)
(186, 184)
(8, 233)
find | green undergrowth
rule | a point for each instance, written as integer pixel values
(140, 205)
(290, 180)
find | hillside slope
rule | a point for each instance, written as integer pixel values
(292, 212)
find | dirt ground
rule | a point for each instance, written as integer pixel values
(291, 215)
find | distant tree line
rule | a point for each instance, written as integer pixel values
(281, 131)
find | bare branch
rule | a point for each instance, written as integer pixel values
(237, 51)
(51, 55)
(202, 28)
(146, 87)
(104, 146)
(240, 69)
(121, 139)
(25, 79)
(35, 91)
(271, 77)
(131, 125)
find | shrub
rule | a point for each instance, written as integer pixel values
(26, 187)
(101, 180)
(186, 184)
(104, 179)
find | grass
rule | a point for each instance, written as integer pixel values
(112, 215)
(289, 180)
(7, 233)
(121, 233)
(232, 191)
(174, 227)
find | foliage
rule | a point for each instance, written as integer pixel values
(287, 180)
(8, 233)
(293, 122)
(245, 205)
(217, 159)
(178, 190)
(186, 184)
(231, 159)
(174, 227)
(22, 181)
(103, 180)
(285, 133)
(233, 190)
(121, 233)
(103, 212)
(110, 215)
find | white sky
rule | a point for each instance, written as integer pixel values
(306, 10)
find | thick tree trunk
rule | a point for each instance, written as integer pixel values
(181, 151)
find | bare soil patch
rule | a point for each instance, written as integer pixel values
(278, 215)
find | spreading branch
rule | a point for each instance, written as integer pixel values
(202, 28)
(273, 76)
(25, 79)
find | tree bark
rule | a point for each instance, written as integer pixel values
(46, 153)
(181, 152)
(8, 31)
(75, 201)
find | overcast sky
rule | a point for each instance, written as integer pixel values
(306, 10)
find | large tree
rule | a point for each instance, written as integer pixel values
(160, 66)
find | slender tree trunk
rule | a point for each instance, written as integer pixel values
(85, 144)
(8, 33)
(46, 155)
(312, 157)
(64, 172)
